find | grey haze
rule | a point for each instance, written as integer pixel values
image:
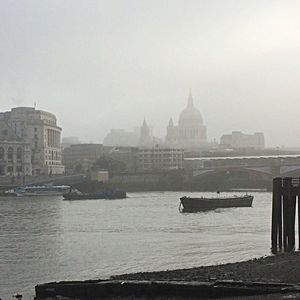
(99, 65)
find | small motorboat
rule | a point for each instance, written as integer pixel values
(189, 204)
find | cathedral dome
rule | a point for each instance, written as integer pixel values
(190, 115)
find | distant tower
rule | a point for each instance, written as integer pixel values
(171, 132)
(190, 100)
(145, 137)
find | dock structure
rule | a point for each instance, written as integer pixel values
(286, 198)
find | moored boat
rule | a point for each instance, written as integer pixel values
(105, 194)
(190, 204)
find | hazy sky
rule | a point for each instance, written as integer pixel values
(108, 64)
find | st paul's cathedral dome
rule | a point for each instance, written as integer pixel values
(190, 132)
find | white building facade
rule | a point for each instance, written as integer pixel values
(160, 158)
(239, 140)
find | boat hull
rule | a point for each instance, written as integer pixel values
(101, 195)
(201, 204)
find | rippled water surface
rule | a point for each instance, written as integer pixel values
(47, 239)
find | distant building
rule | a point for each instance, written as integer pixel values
(120, 137)
(15, 154)
(100, 176)
(38, 129)
(81, 156)
(69, 140)
(145, 138)
(190, 133)
(127, 155)
(238, 140)
(157, 158)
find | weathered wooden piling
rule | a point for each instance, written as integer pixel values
(286, 192)
(117, 289)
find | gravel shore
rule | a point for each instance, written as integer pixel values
(283, 268)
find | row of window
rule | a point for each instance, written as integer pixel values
(160, 159)
(49, 163)
(10, 153)
(53, 155)
(161, 155)
(168, 151)
(10, 170)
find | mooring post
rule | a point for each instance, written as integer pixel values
(276, 213)
(298, 223)
(292, 214)
(280, 199)
(286, 213)
(286, 193)
(294, 221)
(298, 196)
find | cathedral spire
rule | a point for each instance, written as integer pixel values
(190, 100)
(171, 124)
(145, 137)
(144, 123)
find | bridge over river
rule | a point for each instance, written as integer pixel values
(261, 168)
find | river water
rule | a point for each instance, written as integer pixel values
(46, 239)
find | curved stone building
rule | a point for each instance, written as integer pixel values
(38, 129)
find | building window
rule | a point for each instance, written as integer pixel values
(19, 169)
(19, 153)
(10, 169)
(1, 153)
(10, 153)
(2, 171)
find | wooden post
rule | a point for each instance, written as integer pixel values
(280, 207)
(298, 222)
(293, 191)
(289, 214)
(292, 223)
(286, 191)
(277, 182)
(298, 196)
(285, 213)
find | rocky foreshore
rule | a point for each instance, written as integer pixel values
(283, 268)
